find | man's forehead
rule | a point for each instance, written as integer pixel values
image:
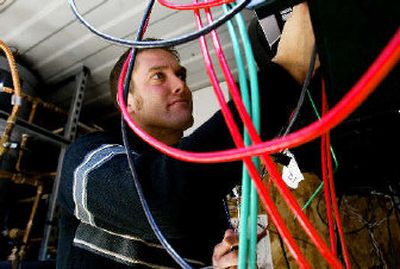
(156, 59)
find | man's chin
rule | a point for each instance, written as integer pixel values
(189, 123)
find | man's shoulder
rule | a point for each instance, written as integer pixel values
(98, 136)
(88, 142)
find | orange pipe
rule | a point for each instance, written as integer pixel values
(14, 113)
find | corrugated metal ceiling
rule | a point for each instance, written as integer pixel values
(54, 44)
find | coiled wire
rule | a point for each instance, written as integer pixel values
(160, 43)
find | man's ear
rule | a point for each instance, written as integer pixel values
(131, 103)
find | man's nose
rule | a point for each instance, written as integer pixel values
(179, 85)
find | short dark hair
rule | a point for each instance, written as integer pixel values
(116, 71)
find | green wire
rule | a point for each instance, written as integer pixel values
(319, 117)
(255, 113)
(245, 190)
(255, 108)
(312, 197)
(251, 250)
(245, 195)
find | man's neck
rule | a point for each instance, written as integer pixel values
(167, 136)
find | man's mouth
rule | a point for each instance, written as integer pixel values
(180, 101)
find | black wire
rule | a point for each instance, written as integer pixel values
(138, 186)
(321, 218)
(284, 251)
(161, 43)
(145, 206)
(339, 249)
(392, 249)
(356, 230)
(396, 214)
(303, 90)
(396, 206)
(354, 260)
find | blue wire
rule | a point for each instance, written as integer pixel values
(160, 43)
(138, 186)
(228, 215)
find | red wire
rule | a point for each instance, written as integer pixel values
(328, 202)
(195, 6)
(387, 59)
(361, 90)
(329, 214)
(265, 197)
(332, 187)
(374, 75)
(276, 177)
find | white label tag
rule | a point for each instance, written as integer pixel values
(291, 173)
(264, 249)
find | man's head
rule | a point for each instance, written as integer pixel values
(116, 71)
(159, 100)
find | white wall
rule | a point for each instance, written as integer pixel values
(205, 105)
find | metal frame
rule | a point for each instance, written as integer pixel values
(69, 134)
(35, 130)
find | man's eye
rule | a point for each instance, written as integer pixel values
(182, 77)
(157, 76)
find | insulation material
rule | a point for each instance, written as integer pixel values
(370, 223)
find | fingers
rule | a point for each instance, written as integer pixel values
(230, 241)
(225, 254)
(229, 260)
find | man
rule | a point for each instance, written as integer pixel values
(102, 224)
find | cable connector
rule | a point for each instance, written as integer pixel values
(16, 100)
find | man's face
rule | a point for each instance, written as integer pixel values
(160, 101)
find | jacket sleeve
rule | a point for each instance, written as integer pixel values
(97, 186)
(278, 95)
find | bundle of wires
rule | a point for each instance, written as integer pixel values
(374, 75)
(249, 198)
(361, 90)
(167, 42)
(387, 59)
(270, 207)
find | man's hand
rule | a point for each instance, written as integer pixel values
(225, 254)
(296, 45)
